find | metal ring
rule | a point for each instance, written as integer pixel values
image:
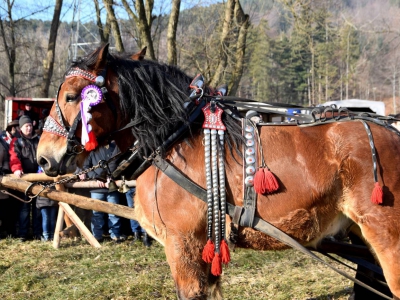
(75, 151)
(30, 187)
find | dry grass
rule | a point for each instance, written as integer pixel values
(35, 270)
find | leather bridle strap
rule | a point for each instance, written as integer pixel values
(259, 224)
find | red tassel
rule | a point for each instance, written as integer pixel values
(265, 181)
(216, 267)
(208, 252)
(225, 255)
(92, 143)
(259, 181)
(272, 183)
(377, 194)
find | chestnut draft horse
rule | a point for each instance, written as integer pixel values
(325, 172)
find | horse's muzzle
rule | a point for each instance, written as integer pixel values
(49, 168)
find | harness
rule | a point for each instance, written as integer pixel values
(241, 216)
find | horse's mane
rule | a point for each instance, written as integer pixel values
(154, 93)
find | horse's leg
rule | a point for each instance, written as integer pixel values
(182, 232)
(191, 274)
(378, 227)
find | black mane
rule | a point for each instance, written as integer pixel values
(154, 94)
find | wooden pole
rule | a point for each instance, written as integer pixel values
(68, 222)
(94, 184)
(78, 223)
(77, 200)
(40, 177)
(59, 225)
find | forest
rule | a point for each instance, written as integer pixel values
(302, 52)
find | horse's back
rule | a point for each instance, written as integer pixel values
(325, 174)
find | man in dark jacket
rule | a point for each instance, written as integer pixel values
(5, 211)
(102, 193)
(23, 160)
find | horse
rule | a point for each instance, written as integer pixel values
(324, 172)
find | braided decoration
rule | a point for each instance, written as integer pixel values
(207, 142)
(208, 251)
(214, 162)
(222, 192)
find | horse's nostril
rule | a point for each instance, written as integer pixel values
(42, 161)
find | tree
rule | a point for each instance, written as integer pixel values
(242, 23)
(224, 43)
(114, 25)
(143, 20)
(9, 47)
(104, 31)
(48, 63)
(171, 34)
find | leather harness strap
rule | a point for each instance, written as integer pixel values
(259, 224)
(249, 194)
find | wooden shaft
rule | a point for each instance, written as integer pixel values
(77, 200)
(93, 184)
(68, 221)
(59, 225)
(79, 224)
(39, 177)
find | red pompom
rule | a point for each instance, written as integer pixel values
(225, 255)
(92, 143)
(216, 267)
(377, 194)
(265, 181)
(208, 252)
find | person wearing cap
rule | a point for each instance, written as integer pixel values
(22, 161)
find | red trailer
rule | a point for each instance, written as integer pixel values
(13, 104)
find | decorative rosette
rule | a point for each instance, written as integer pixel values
(91, 95)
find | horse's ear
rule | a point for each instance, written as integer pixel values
(101, 61)
(140, 55)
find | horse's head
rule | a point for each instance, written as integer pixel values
(62, 144)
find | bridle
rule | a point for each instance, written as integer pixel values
(58, 127)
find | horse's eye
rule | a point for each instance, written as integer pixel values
(72, 97)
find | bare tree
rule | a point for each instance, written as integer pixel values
(9, 47)
(48, 63)
(225, 42)
(143, 20)
(242, 22)
(114, 25)
(171, 34)
(104, 31)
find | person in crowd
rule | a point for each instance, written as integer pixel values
(102, 192)
(23, 160)
(12, 130)
(42, 121)
(4, 198)
(48, 209)
(32, 115)
(137, 230)
(20, 113)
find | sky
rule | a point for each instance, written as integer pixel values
(44, 9)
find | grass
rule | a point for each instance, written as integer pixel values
(35, 270)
